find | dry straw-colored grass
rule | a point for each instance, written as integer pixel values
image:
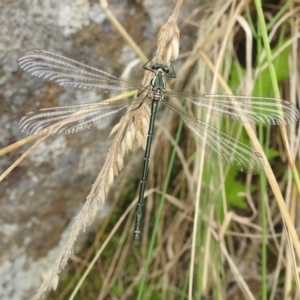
(228, 255)
(130, 134)
(192, 247)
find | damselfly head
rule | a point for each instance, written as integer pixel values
(167, 69)
(157, 66)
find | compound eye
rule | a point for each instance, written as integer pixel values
(154, 66)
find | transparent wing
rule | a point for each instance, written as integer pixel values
(246, 109)
(220, 145)
(70, 119)
(70, 73)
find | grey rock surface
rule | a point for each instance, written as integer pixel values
(42, 195)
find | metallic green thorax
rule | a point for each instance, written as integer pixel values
(158, 81)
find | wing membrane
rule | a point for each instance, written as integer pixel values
(70, 73)
(70, 119)
(220, 145)
(246, 109)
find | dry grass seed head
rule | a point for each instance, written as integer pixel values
(130, 133)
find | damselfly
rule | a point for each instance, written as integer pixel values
(71, 119)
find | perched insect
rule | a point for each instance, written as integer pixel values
(74, 118)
